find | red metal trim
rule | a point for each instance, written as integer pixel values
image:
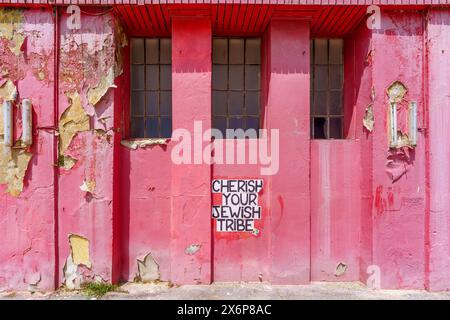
(56, 36)
(213, 2)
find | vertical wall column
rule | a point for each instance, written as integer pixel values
(191, 195)
(398, 184)
(287, 110)
(87, 147)
(438, 240)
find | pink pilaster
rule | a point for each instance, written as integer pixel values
(288, 111)
(438, 239)
(191, 195)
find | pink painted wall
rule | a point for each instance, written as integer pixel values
(399, 206)
(288, 94)
(330, 202)
(335, 209)
(27, 225)
(243, 256)
(87, 54)
(438, 102)
(191, 192)
(145, 209)
(357, 97)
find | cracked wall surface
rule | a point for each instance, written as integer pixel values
(27, 258)
(89, 64)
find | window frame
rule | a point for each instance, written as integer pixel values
(159, 115)
(244, 115)
(328, 91)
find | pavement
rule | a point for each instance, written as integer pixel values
(237, 291)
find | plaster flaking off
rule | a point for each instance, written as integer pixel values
(73, 120)
(80, 250)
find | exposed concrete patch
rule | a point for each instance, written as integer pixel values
(32, 279)
(143, 143)
(240, 291)
(72, 279)
(192, 249)
(369, 119)
(148, 269)
(77, 263)
(341, 268)
(73, 120)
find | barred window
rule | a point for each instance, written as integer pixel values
(327, 78)
(151, 88)
(236, 83)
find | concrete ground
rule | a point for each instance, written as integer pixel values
(244, 291)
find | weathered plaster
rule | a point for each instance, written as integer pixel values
(73, 120)
(148, 269)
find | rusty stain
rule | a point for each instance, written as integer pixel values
(73, 120)
(369, 119)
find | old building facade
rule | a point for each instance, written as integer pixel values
(354, 100)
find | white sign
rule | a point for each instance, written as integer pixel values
(239, 208)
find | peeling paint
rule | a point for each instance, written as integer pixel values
(341, 268)
(121, 42)
(8, 91)
(80, 250)
(397, 164)
(148, 269)
(73, 120)
(72, 278)
(13, 167)
(142, 143)
(192, 249)
(10, 21)
(369, 119)
(96, 93)
(396, 92)
(66, 162)
(88, 186)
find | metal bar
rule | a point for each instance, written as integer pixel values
(27, 122)
(8, 123)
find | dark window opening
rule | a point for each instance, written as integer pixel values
(236, 84)
(151, 88)
(327, 82)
